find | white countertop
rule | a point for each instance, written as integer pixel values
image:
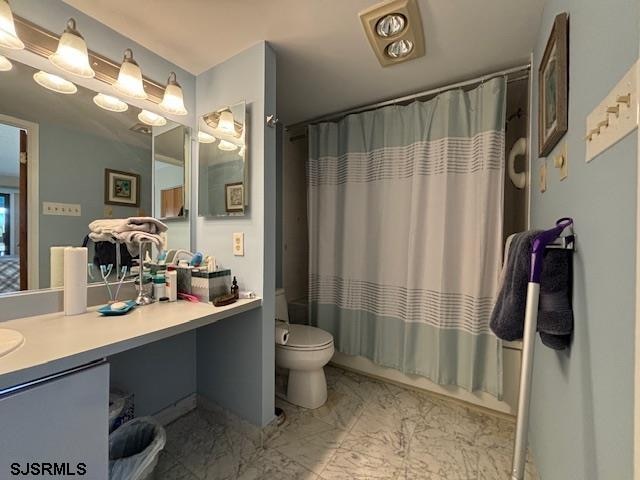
(54, 342)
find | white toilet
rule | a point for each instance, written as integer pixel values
(307, 351)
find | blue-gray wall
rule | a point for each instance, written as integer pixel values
(236, 356)
(582, 402)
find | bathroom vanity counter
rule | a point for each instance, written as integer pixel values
(55, 342)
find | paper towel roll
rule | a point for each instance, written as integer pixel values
(282, 335)
(75, 280)
(56, 262)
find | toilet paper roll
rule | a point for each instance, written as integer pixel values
(282, 335)
(56, 261)
(75, 280)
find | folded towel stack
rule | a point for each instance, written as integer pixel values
(129, 231)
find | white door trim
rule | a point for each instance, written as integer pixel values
(33, 222)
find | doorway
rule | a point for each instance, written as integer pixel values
(18, 196)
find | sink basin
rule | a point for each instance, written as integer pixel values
(10, 340)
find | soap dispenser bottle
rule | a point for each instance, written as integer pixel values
(235, 290)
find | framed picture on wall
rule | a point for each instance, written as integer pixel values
(121, 188)
(234, 197)
(553, 87)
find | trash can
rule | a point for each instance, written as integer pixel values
(116, 407)
(121, 408)
(134, 448)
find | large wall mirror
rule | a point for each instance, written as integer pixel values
(65, 162)
(222, 179)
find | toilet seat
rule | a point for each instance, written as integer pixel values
(304, 337)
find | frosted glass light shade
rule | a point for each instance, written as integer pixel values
(226, 123)
(227, 146)
(8, 37)
(71, 55)
(150, 118)
(5, 64)
(204, 137)
(129, 81)
(54, 83)
(110, 103)
(173, 99)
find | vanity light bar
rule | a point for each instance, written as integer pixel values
(45, 43)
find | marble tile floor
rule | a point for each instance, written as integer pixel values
(367, 430)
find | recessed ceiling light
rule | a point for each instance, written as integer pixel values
(391, 25)
(204, 137)
(400, 48)
(150, 118)
(54, 83)
(5, 64)
(110, 103)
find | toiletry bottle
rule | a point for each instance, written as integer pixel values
(235, 289)
(158, 287)
(172, 284)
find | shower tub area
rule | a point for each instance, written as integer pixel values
(296, 185)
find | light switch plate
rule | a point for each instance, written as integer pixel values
(615, 117)
(561, 161)
(238, 244)
(61, 209)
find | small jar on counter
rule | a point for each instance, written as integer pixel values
(159, 287)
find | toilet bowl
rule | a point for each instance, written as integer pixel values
(307, 351)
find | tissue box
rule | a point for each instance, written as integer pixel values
(209, 285)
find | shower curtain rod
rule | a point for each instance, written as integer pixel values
(481, 79)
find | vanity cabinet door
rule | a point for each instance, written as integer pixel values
(57, 428)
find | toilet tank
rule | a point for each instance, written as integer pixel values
(282, 312)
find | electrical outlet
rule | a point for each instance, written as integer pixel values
(61, 209)
(238, 244)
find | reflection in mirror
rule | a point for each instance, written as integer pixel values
(69, 159)
(222, 162)
(169, 167)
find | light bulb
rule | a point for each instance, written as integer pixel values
(110, 103)
(54, 83)
(150, 118)
(8, 37)
(72, 55)
(173, 100)
(204, 137)
(129, 81)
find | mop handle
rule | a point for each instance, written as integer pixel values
(530, 327)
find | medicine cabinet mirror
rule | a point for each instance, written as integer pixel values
(222, 179)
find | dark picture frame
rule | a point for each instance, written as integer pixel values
(231, 190)
(553, 87)
(121, 188)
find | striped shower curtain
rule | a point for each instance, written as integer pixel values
(405, 209)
